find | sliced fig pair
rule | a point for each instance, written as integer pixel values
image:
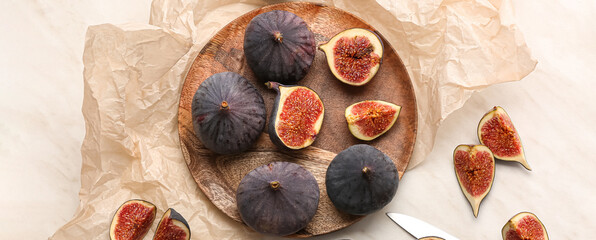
(475, 164)
(134, 218)
(298, 113)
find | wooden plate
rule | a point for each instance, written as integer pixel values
(218, 176)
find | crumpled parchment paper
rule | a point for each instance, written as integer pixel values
(134, 73)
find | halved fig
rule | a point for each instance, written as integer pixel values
(172, 226)
(361, 180)
(279, 46)
(297, 116)
(228, 113)
(524, 225)
(132, 220)
(496, 131)
(475, 171)
(431, 238)
(368, 120)
(354, 55)
(278, 198)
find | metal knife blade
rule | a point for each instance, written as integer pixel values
(417, 227)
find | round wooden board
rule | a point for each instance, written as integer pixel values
(218, 176)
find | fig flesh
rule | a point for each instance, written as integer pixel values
(431, 238)
(475, 171)
(279, 46)
(228, 113)
(524, 225)
(278, 198)
(132, 220)
(496, 131)
(297, 116)
(361, 180)
(354, 55)
(368, 120)
(172, 226)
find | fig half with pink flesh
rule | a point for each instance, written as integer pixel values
(370, 119)
(524, 225)
(354, 55)
(431, 238)
(496, 131)
(297, 116)
(172, 226)
(132, 220)
(475, 171)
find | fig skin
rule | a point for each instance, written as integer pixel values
(466, 174)
(172, 226)
(356, 57)
(228, 113)
(378, 117)
(516, 226)
(506, 145)
(279, 46)
(431, 238)
(361, 180)
(275, 123)
(278, 198)
(142, 224)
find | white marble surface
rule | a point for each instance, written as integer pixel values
(554, 108)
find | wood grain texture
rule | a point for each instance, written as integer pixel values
(218, 176)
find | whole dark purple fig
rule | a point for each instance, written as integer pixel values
(228, 113)
(361, 180)
(279, 46)
(278, 198)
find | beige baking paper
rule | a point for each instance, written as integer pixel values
(134, 73)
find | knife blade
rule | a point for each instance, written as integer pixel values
(417, 227)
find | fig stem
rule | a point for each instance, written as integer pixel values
(278, 37)
(273, 85)
(275, 185)
(224, 105)
(366, 172)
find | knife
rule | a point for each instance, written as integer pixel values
(417, 227)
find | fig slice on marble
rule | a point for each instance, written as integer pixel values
(431, 238)
(297, 116)
(370, 119)
(354, 55)
(132, 220)
(524, 225)
(475, 171)
(172, 226)
(496, 131)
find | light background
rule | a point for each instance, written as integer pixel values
(554, 109)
